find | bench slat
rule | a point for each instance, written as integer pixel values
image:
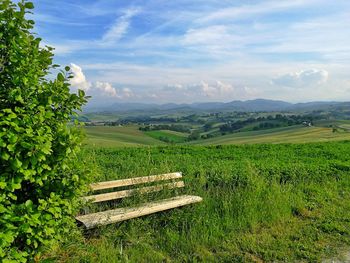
(133, 181)
(121, 214)
(127, 193)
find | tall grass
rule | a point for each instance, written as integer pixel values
(287, 202)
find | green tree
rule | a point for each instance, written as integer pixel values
(39, 181)
(195, 135)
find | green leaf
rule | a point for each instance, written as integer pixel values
(5, 156)
(67, 68)
(13, 138)
(8, 237)
(60, 77)
(25, 145)
(19, 99)
(9, 261)
(15, 185)
(2, 209)
(81, 93)
(11, 147)
(2, 185)
(28, 203)
(75, 178)
(29, 5)
(2, 143)
(16, 163)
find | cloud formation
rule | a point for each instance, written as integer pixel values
(96, 89)
(304, 78)
(203, 91)
(264, 7)
(79, 80)
(106, 88)
(120, 27)
(206, 35)
(216, 89)
(213, 50)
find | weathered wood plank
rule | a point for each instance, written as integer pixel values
(121, 214)
(134, 181)
(127, 193)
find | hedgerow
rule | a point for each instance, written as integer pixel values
(39, 178)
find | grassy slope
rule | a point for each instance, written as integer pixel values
(131, 136)
(118, 137)
(261, 203)
(345, 124)
(293, 134)
(173, 136)
(101, 117)
(180, 134)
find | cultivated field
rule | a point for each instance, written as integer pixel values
(105, 136)
(168, 136)
(293, 134)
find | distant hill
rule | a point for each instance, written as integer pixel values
(237, 105)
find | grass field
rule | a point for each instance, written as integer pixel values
(293, 134)
(168, 136)
(261, 203)
(343, 124)
(105, 136)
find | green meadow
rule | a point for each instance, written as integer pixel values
(293, 134)
(261, 203)
(126, 136)
(107, 136)
(168, 136)
(276, 195)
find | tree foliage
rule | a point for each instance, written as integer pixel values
(38, 179)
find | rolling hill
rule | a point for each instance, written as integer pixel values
(237, 105)
(293, 134)
(127, 136)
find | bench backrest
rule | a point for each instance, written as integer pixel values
(131, 182)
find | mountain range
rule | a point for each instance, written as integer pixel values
(237, 105)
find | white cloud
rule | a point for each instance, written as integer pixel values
(247, 79)
(105, 88)
(224, 88)
(154, 96)
(304, 78)
(175, 86)
(120, 27)
(79, 80)
(314, 76)
(214, 90)
(127, 93)
(249, 10)
(97, 88)
(202, 90)
(206, 35)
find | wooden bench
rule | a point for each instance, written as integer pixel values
(120, 214)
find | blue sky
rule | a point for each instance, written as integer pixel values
(190, 51)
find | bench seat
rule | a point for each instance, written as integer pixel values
(121, 214)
